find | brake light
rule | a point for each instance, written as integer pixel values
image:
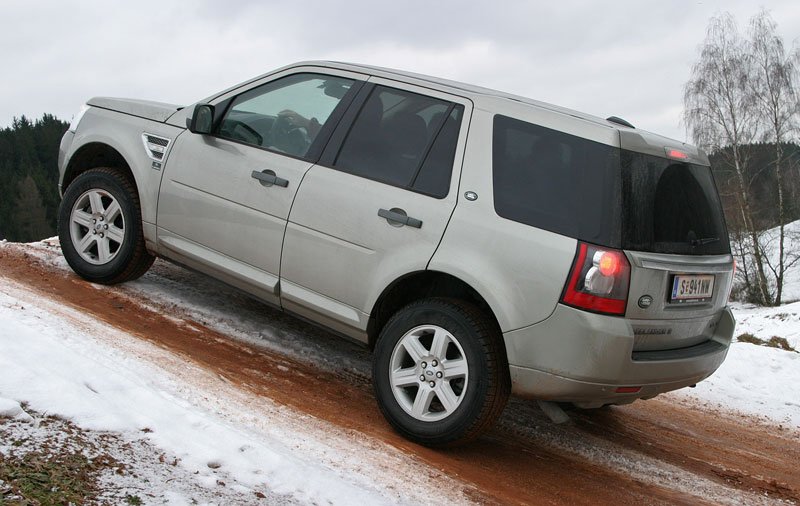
(609, 262)
(676, 154)
(598, 281)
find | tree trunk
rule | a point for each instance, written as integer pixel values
(761, 278)
(782, 220)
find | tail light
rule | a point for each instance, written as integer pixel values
(598, 281)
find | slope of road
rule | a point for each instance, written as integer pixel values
(253, 360)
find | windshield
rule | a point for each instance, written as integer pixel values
(670, 207)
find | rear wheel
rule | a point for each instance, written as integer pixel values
(440, 373)
(100, 228)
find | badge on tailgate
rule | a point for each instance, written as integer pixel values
(692, 288)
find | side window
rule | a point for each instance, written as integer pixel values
(284, 115)
(556, 181)
(403, 139)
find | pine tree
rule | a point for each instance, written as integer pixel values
(29, 212)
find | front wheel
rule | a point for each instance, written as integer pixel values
(100, 228)
(440, 373)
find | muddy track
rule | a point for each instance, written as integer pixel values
(655, 452)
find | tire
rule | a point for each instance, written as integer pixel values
(100, 228)
(440, 372)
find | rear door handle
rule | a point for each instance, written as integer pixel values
(397, 218)
(268, 178)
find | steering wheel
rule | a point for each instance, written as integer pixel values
(288, 138)
(241, 131)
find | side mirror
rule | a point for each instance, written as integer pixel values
(202, 120)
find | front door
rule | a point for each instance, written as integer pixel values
(225, 197)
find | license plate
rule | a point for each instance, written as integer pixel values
(696, 288)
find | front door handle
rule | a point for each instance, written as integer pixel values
(268, 178)
(397, 218)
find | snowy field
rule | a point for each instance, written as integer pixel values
(229, 449)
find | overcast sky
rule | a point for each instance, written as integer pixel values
(623, 58)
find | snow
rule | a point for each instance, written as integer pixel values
(791, 283)
(10, 408)
(755, 380)
(766, 322)
(59, 361)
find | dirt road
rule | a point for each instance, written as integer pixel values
(654, 452)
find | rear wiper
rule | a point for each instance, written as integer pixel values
(704, 240)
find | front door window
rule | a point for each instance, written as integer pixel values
(284, 115)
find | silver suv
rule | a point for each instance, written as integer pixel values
(483, 244)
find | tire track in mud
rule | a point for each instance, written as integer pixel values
(655, 452)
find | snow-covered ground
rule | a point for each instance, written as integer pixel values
(754, 380)
(60, 362)
(769, 238)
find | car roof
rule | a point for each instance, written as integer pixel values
(491, 100)
(448, 84)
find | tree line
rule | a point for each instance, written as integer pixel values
(29, 178)
(741, 104)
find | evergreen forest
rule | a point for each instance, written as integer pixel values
(29, 178)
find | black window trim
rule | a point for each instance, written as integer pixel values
(323, 137)
(431, 142)
(339, 136)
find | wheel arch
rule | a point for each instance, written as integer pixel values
(418, 285)
(96, 154)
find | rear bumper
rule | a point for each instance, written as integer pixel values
(580, 357)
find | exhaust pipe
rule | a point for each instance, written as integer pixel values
(554, 412)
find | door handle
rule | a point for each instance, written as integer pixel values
(268, 178)
(397, 218)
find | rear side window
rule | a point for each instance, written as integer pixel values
(671, 207)
(403, 139)
(555, 181)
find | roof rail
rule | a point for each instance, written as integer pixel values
(619, 121)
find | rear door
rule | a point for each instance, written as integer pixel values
(376, 205)
(675, 235)
(225, 198)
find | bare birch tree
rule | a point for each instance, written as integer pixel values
(719, 112)
(772, 81)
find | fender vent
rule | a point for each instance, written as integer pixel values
(156, 147)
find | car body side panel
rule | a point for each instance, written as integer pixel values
(337, 246)
(519, 270)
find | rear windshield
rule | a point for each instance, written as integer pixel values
(603, 195)
(671, 207)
